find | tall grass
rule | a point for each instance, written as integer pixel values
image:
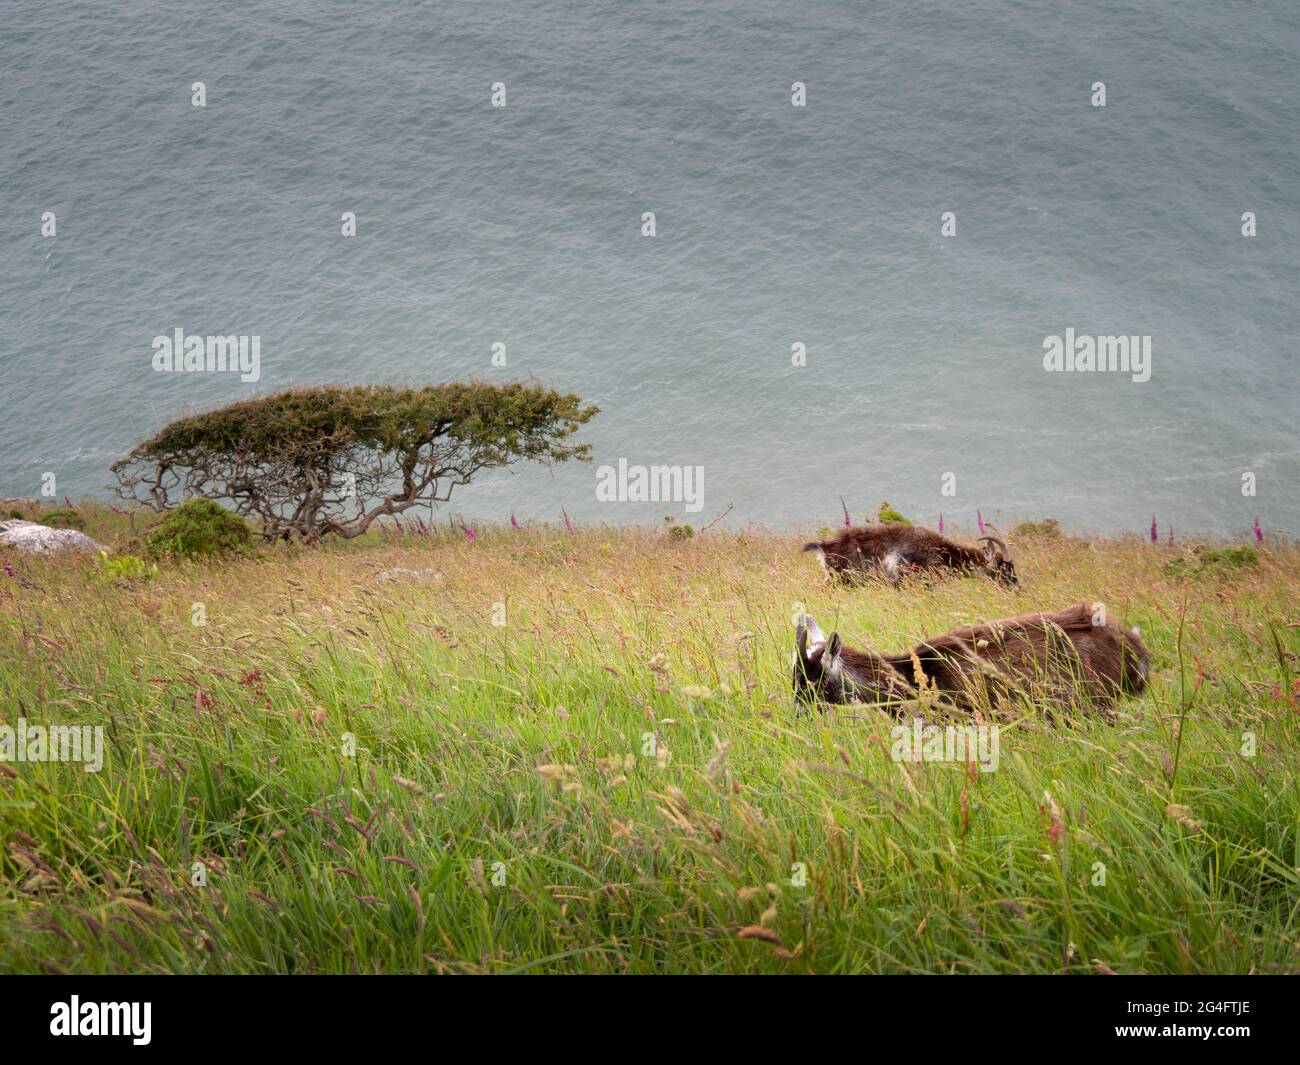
(340, 774)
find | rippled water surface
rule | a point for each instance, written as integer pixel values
(776, 226)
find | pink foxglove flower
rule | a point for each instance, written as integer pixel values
(979, 518)
(847, 520)
(940, 524)
(9, 570)
(469, 533)
(1259, 533)
(514, 522)
(1155, 533)
(567, 523)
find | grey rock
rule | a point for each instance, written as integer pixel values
(33, 538)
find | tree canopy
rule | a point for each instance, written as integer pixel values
(313, 461)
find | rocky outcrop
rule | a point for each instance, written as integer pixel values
(28, 536)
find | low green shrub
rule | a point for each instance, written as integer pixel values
(1047, 529)
(126, 567)
(60, 518)
(199, 528)
(1201, 559)
(887, 515)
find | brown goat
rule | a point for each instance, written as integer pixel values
(1075, 657)
(892, 549)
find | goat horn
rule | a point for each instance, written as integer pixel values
(997, 540)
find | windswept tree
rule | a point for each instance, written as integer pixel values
(313, 461)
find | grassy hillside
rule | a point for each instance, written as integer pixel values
(613, 780)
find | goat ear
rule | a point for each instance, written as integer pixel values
(833, 647)
(807, 633)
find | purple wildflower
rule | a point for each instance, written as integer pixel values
(1155, 533)
(469, 533)
(979, 518)
(514, 522)
(1259, 533)
(941, 524)
(9, 570)
(848, 522)
(567, 523)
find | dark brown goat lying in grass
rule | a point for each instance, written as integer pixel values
(1074, 658)
(892, 550)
